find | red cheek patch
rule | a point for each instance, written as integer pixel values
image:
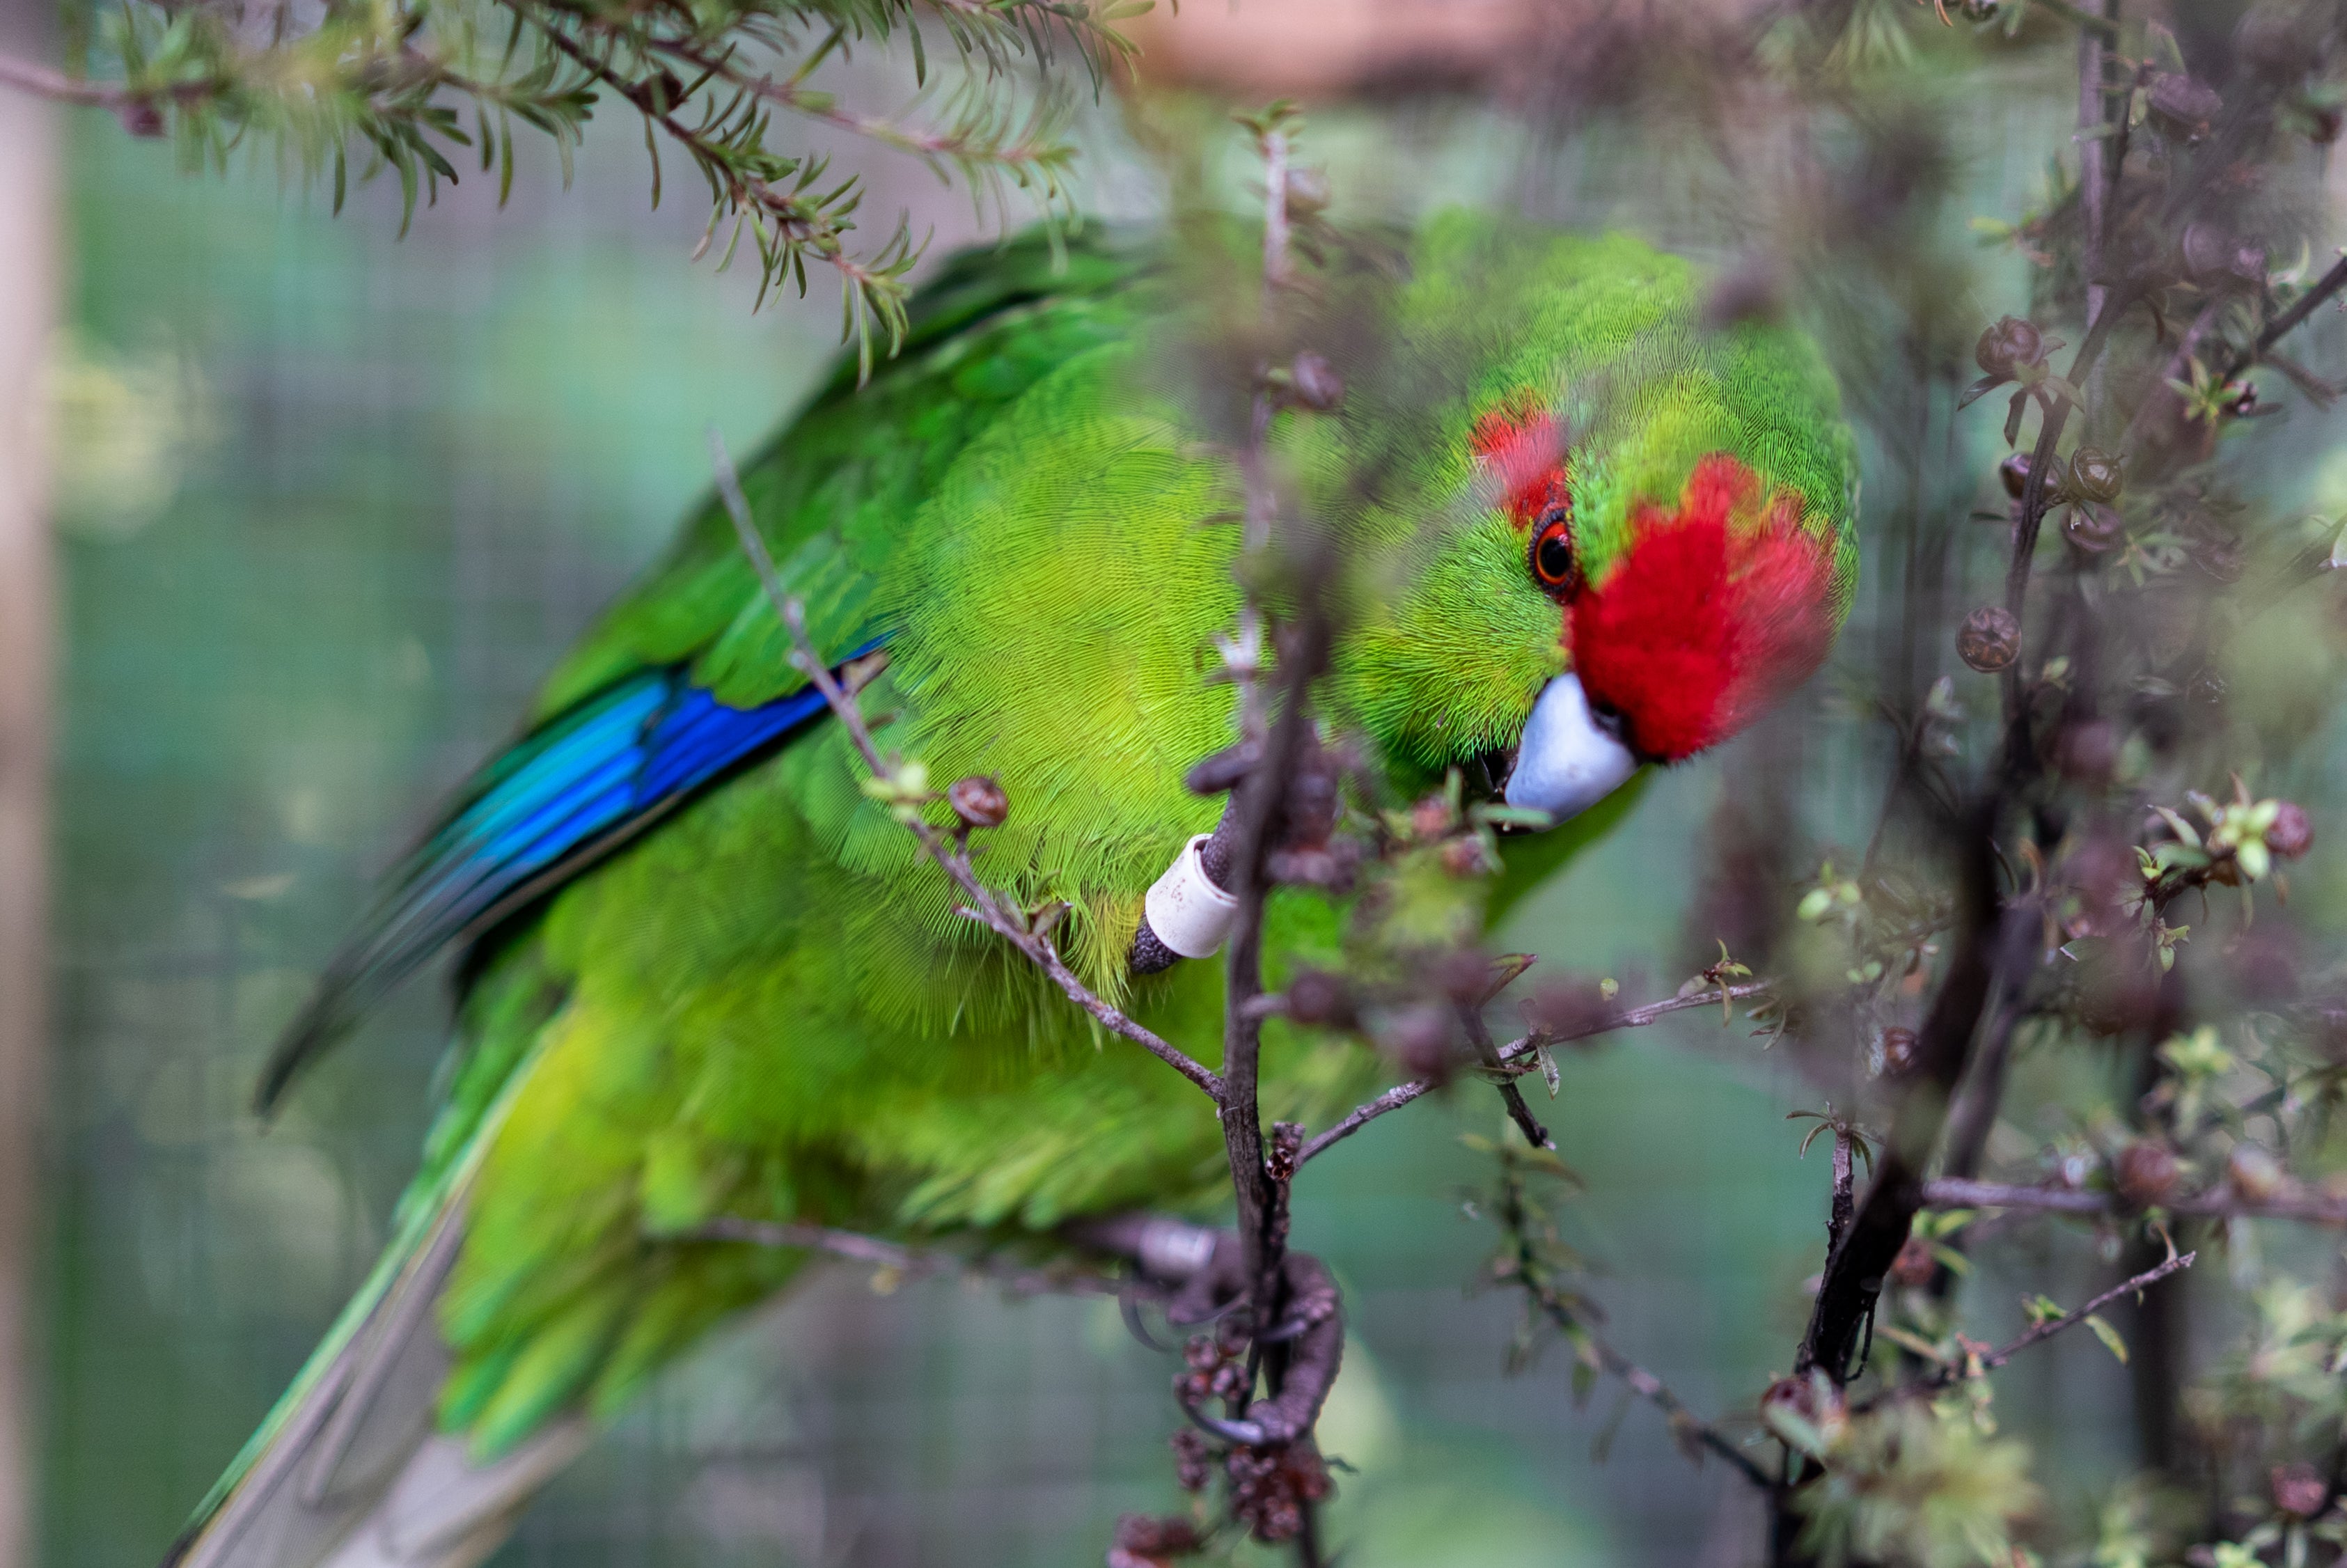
(1525, 449)
(1716, 609)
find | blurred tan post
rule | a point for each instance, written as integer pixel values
(27, 303)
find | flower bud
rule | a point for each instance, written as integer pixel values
(2006, 348)
(2181, 107)
(2146, 1172)
(140, 117)
(978, 801)
(2299, 1489)
(1814, 1401)
(1314, 382)
(1467, 856)
(1318, 997)
(2290, 834)
(1989, 639)
(1143, 1541)
(1421, 1042)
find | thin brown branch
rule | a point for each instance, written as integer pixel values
(2303, 1204)
(2282, 325)
(990, 909)
(2162, 398)
(1479, 1034)
(1684, 1421)
(911, 1263)
(744, 193)
(1981, 1363)
(2095, 173)
(1845, 1201)
(1527, 1267)
(1857, 1265)
(1517, 1054)
(2035, 501)
(795, 96)
(25, 75)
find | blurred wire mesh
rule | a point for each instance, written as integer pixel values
(332, 504)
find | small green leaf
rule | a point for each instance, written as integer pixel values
(2108, 1336)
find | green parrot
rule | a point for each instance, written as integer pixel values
(705, 975)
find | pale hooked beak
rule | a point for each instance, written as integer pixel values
(1567, 761)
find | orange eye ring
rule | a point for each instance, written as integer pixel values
(1553, 562)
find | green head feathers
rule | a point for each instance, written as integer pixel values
(1599, 482)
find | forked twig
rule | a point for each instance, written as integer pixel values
(1519, 1053)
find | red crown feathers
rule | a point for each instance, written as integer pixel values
(1713, 610)
(1524, 448)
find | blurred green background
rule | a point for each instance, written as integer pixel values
(332, 502)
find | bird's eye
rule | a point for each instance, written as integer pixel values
(1552, 563)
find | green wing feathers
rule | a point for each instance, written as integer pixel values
(766, 1007)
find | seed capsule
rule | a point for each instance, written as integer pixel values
(2092, 528)
(978, 801)
(2015, 472)
(1318, 997)
(2146, 1173)
(2181, 107)
(2096, 474)
(2299, 1489)
(1989, 638)
(2004, 348)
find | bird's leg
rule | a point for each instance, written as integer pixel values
(1190, 908)
(1193, 898)
(1206, 1271)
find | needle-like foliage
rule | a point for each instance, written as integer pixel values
(426, 92)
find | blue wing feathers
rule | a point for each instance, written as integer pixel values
(539, 813)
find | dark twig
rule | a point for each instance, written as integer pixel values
(2310, 1207)
(1527, 1264)
(914, 1263)
(27, 75)
(1656, 1392)
(989, 909)
(1517, 1054)
(1855, 1268)
(2162, 398)
(1979, 1363)
(2282, 325)
(1845, 1203)
(1479, 1034)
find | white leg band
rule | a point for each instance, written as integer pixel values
(1188, 912)
(1174, 1249)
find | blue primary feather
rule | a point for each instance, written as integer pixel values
(552, 804)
